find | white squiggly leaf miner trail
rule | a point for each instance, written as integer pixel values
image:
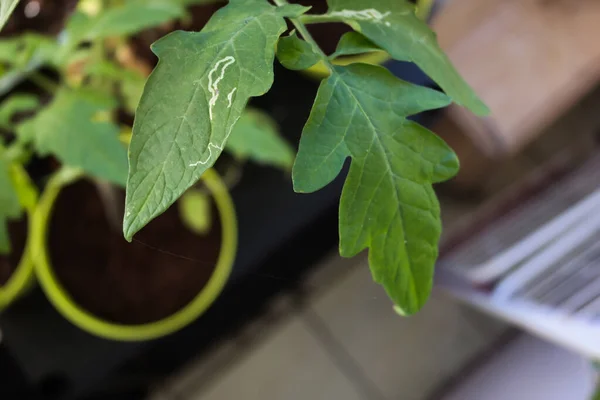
(213, 85)
(230, 97)
(367, 14)
(213, 88)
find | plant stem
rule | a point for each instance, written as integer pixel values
(301, 28)
(43, 82)
(318, 19)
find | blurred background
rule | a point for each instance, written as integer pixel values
(515, 312)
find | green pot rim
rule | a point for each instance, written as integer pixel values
(23, 276)
(114, 331)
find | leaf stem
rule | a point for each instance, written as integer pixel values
(318, 19)
(301, 28)
(43, 82)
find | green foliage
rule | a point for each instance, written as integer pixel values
(71, 128)
(393, 26)
(192, 101)
(296, 54)
(6, 9)
(256, 137)
(15, 104)
(387, 203)
(193, 107)
(354, 43)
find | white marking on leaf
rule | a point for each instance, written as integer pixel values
(211, 145)
(368, 14)
(230, 97)
(213, 85)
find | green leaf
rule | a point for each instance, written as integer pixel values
(387, 203)
(393, 26)
(296, 54)
(131, 82)
(6, 9)
(256, 137)
(15, 104)
(28, 49)
(193, 99)
(125, 19)
(133, 16)
(22, 55)
(71, 129)
(195, 211)
(354, 43)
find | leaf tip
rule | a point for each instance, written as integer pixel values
(400, 311)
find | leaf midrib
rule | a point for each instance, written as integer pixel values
(226, 45)
(389, 173)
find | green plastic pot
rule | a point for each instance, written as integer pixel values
(88, 322)
(23, 277)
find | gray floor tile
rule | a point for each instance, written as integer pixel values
(290, 365)
(405, 357)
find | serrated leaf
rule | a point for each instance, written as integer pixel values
(387, 203)
(256, 137)
(393, 26)
(69, 129)
(296, 54)
(193, 99)
(15, 104)
(6, 9)
(354, 43)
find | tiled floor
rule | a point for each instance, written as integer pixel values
(345, 342)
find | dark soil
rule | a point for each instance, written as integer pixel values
(18, 237)
(164, 268)
(50, 19)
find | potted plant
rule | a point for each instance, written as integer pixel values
(196, 98)
(80, 120)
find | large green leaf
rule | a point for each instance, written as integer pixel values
(193, 99)
(6, 9)
(256, 137)
(393, 26)
(72, 129)
(387, 202)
